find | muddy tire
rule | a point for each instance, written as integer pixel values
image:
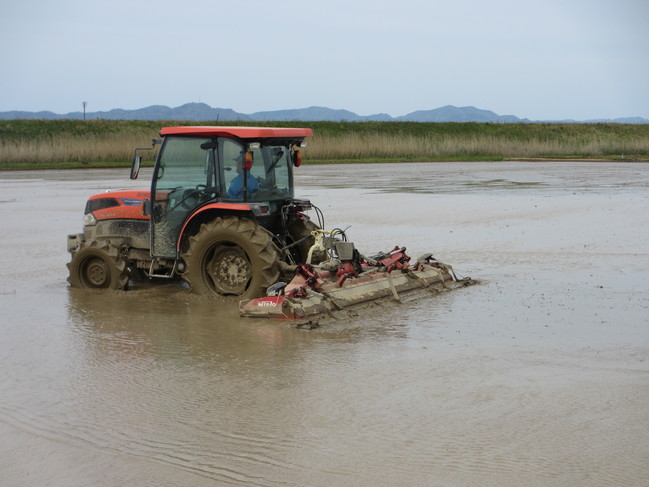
(231, 256)
(98, 265)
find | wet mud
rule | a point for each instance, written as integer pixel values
(537, 376)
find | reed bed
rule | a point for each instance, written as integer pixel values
(468, 146)
(71, 149)
(68, 143)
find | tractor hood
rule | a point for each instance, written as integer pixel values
(117, 205)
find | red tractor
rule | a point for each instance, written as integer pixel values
(221, 215)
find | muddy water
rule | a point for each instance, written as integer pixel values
(539, 376)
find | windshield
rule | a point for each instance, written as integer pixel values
(185, 162)
(190, 163)
(270, 177)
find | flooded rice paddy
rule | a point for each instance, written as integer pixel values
(538, 376)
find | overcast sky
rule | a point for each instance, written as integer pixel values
(540, 59)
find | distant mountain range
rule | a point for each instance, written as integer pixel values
(197, 112)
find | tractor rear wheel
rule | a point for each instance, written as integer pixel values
(97, 264)
(231, 256)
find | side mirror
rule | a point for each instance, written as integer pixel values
(137, 160)
(135, 167)
(297, 158)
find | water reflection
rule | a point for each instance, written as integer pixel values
(168, 322)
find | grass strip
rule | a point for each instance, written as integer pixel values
(63, 144)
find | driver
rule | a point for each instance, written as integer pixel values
(235, 190)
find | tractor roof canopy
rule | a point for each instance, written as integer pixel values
(239, 132)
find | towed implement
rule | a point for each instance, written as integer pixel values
(221, 216)
(350, 280)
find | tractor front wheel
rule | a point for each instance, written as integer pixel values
(231, 256)
(97, 264)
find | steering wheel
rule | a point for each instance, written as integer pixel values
(191, 195)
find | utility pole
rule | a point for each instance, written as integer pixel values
(85, 104)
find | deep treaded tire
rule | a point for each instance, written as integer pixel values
(97, 264)
(231, 256)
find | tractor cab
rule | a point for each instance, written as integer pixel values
(204, 171)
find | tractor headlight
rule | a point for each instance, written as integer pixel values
(89, 219)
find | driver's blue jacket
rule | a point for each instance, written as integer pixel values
(235, 191)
